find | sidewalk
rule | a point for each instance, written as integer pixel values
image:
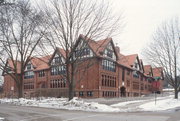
(110, 101)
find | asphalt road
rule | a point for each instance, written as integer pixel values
(21, 113)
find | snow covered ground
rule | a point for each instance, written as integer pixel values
(1, 119)
(162, 103)
(126, 103)
(61, 103)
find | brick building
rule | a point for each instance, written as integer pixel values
(109, 73)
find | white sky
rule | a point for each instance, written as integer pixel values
(142, 17)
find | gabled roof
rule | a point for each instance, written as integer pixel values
(142, 65)
(17, 63)
(102, 44)
(131, 59)
(147, 69)
(157, 72)
(41, 63)
(123, 60)
(99, 46)
(62, 52)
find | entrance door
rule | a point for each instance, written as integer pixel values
(123, 91)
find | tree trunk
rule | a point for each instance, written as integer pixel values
(20, 86)
(71, 92)
(71, 85)
(20, 90)
(176, 93)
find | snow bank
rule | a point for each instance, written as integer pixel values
(160, 105)
(1, 119)
(168, 89)
(126, 103)
(163, 103)
(61, 103)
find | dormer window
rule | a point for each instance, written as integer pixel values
(58, 70)
(136, 64)
(135, 74)
(109, 52)
(8, 70)
(28, 67)
(57, 60)
(82, 52)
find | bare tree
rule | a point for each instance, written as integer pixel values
(20, 32)
(164, 51)
(70, 18)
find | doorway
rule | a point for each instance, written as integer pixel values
(123, 91)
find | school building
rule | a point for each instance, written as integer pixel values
(103, 71)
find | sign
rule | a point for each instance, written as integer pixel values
(122, 83)
(12, 88)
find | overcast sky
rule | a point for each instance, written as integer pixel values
(142, 18)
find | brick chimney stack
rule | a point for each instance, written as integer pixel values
(117, 49)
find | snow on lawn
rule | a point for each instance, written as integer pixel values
(160, 105)
(1, 119)
(61, 103)
(126, 103)
(163, 103)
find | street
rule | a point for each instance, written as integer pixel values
(21, 113)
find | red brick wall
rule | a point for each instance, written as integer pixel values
(10, 88)
(88, 79)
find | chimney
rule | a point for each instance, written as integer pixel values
(117, 49)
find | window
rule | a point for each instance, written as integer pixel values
(128, 83)
(146, 87)
(57, 60)
(108, 65)
(28, 67)
(29, 85)
(28, 75)
(135, 74)
(128, 72)
(41, 73)
(58, 83)
(102, 80)
(89, 93)
(142, 87)
(108, 81)
(136, 65)
(82, 52)
(109, 52)
(57, 70)
(8, 70)
(43, 85)
(123, 74)
(108, 94)
(149, 80)
(81, 94)
(136, 85)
